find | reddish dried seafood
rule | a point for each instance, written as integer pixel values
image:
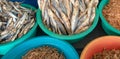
(68, 16)
(112, 13)
(108, 54)
(44, 52)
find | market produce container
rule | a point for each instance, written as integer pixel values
(97, 45)
(69, 38)
(17, 52)
(5, 47)
(109, 29)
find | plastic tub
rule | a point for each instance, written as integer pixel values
(16, 53)
(69, 38)
(5, 47)
(109, 29)
(97, 45)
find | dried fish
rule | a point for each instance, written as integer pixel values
(68, 17)
(92, 16)
(62, 6)
(75, 15)
(89, 12)
(15, 20)
(40, 3)
(82, 29)
(72, 1)
(81, 6)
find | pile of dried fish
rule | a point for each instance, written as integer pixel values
(68, 16)
(15, 20)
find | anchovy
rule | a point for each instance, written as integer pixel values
(68, 6)
(75, 15)
(82, 29)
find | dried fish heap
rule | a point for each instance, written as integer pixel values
(68, 17)
(15, 20)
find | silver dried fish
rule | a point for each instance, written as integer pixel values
(75, 16)
(68, 17)
(15, 20)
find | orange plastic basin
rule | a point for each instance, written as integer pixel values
(97, 45)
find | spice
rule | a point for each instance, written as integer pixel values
(15, 20)
(44, 52)
(107, 54)
(112, 13)
(68, 17)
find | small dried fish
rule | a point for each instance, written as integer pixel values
(15, 20)
(92, 16)
(43, 7)
(40, 3)
(68, 17)
(72, 1)
(81, 6)
(74, 16)
(82, 29)
(62, 6)
(86, 22)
